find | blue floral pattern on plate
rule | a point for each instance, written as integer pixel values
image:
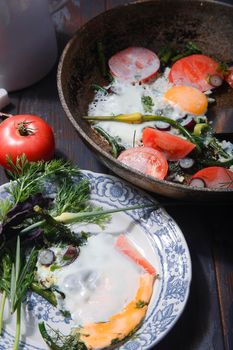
(169, 246)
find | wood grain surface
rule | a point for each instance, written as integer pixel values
(207, 322)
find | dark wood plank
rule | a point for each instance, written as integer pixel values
(91, 8)
(199, 328)
(223, 248)
(42, 99)
(67, 19)
(12, 108)
(74, 14)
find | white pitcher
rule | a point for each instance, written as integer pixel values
(28, 47)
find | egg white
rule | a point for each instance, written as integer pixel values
(127, 98)
(98, 284)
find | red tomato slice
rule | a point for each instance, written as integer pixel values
(134, 64)
(172, 146)
(229, 77)
(147, 160)
(215, 177)
(194, 71)
(124, 245)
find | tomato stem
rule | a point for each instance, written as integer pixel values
(24, 129)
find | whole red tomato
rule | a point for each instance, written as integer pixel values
(25, 134)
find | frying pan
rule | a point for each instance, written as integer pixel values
(151, 24)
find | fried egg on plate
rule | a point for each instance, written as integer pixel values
(102, 285)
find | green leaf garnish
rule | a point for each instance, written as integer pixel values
(140, 304)
(147, 103)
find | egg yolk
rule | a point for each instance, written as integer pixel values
(188, 99)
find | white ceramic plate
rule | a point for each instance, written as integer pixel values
(156, 233)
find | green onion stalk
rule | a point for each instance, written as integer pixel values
(4, 296)
(18, 327)
(69, 218)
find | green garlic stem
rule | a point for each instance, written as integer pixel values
(67, 218)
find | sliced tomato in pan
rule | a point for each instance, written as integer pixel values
(134, 64)
(229, 77)
(194, 70)
(174, 147)
(146, 160)
(214, 177)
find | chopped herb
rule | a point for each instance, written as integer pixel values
(147, 104)
(190, 49)
(168, 55)
(216, 147)
(140, 304)
(165, 54)
(115, 341)
(55, 267)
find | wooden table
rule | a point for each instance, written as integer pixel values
(207, 322)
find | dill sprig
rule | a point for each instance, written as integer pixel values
(71, 197)
(57, 341)
(29, 176)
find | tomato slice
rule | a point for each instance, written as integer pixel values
(124, 245)
(134, 64)
(147, 160)
(194, 71)
(174, 147)
(229, 77)
(215, 177)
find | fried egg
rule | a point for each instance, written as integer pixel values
(166, 99)
(98, 284)
(189, 99)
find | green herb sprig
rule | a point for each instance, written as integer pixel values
(29, 176)
(57, 341)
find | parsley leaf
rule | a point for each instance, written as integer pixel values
(147, 103)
